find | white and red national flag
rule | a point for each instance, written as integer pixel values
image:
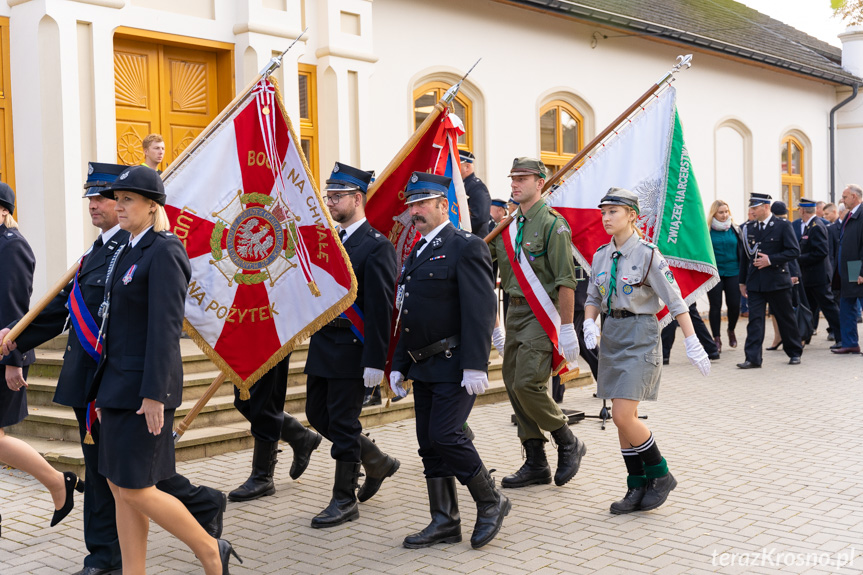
(649, 157)
(268, 268)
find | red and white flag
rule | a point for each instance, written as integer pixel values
(268, 268)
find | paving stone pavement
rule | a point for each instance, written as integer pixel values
(768, 464)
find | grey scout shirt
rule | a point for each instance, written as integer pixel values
(631, 269)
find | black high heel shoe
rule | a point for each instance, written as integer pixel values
(72, 484)
(775, 347)
(225, 552)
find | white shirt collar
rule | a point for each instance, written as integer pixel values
(806, 222)
(134, 241)
(765, 222)
(106, 236)
(853, 210)
(431, 235)
(352, 228)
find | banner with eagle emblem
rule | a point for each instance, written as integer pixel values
(268, 268)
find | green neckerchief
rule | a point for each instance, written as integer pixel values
(519, 235)
(612, 284)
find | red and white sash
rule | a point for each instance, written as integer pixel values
(539, 301)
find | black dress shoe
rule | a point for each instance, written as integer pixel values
(713, 356)
(72, 484)
(831, 337)
(665, 361)
(371, 400)
(836, 345)
(794, 361)
(844, 350)
(99, 571)
(747, 365)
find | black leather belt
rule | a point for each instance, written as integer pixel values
(340, 322)
(442, 346)
(620, 313)
(517, 301)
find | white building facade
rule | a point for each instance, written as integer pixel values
(89, 78)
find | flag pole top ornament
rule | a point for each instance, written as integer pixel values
(683, 62)
(276, 61)
(451, 93)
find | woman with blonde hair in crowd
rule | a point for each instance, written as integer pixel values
(728, 250)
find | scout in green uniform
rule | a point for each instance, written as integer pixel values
(629, 278)
(543, 242)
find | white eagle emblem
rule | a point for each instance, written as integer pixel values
(249, 244)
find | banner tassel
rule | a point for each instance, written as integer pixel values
(313, 287)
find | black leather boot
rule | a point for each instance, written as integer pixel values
(377, 465)
(445, 526)
(343, 505)
(660, 483)
(491, 507)
(303, 442)
(535, 470)
(569, 453)
(260, 482)
(636, 487)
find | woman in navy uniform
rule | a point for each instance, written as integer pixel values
(446, 308)
(630, 277)
(16, 285)
(139, 380)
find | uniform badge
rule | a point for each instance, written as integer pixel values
(129, 274)
(602, 291)
(90, 170)
(124, 175)
(561, 229)
(669, 276)
(414, 179)
(436, 242)
(336, 168)
(627, 289)
(663, 264)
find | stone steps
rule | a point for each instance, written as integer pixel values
(219, 428)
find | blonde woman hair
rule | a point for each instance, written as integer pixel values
(160, 219)
(9, 220)
(714, 207)
(634, 223)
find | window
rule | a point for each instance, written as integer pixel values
(792, 174)
(425, 98)
(561, 134)
(309, 115)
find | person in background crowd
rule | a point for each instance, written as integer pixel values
(154, 151)
(728, 250)
(478, 198)
(850, 272)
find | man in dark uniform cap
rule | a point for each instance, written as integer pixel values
(446, 309)
(100, 527)
(478, 198)
(816, 268)
(351, 351)
(770, 245)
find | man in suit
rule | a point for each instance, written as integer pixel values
(76, 375)
(816, 268)
(478, 198)
(764, 278)
(850, 255)
(446, 309)
(351, 351)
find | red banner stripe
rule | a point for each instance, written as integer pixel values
(248, 343)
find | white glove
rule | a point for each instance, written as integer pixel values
(569, 343)
(372, 377)
(696, 354)
(498, 338)
(396, 380)
(474, 381)
(591, 332)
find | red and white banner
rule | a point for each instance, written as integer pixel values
(268, 268)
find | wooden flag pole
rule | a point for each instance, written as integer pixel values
(681, 62)
(190, 417)
(41, 304)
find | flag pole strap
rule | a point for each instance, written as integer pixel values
(28, 318)
(202, 402)
(682, 63)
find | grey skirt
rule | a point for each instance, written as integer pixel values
(630, 359)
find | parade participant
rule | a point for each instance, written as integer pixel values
(17, 264)
(497, 212)
(139, 380)
(631, 282)
(542, 248)
(815, 265)
(478, 198)
(446, 309)
(850, 271)
(154, 151)
(265, 410)
(351, 351)
(79, 364)
(769, 245)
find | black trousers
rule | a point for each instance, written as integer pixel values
(100, 520)
(783, 310)
(333, 407)
(669, 332)
(730, 286)
(266, 406)
(441, 410)
(821, 297)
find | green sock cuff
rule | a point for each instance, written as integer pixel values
(658, 470)
(636, 481)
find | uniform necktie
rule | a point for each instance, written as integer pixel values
(420, 245)
(612, 284)
(342, 234)
(519, 236)
(98, 243)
